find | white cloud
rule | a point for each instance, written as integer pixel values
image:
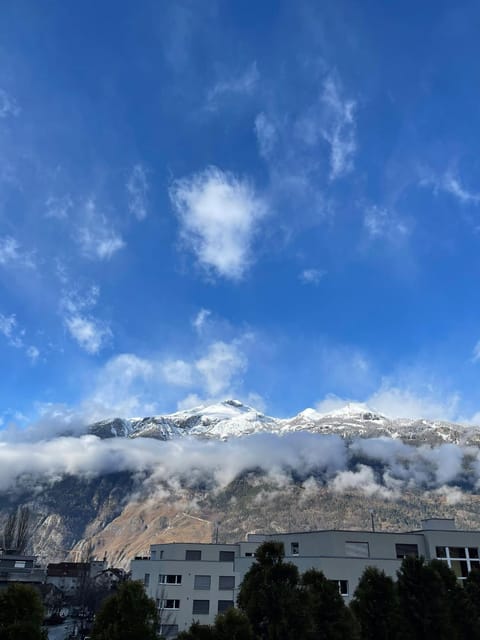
(334, 121)
(9, 329)
(178, 372)
(33, 353)
(8, 105)
(11, 253)
(312, 276)
(401, 402)
(96, 238)
(220, 365)
(219, 216)
(242, 85)
(451, 184)
(476, 352)
(137, 189)
(381, 223)
(90, 333)
(266, 133)
(58, 207)
(201, 319)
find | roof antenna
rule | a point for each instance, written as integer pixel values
(372, 516)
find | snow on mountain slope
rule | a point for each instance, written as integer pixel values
(232, 419)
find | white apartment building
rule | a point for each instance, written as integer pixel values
(196, 581)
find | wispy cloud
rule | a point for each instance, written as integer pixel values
(219, 216)
(450, 183)
(58, 207)
(8, 105)
(90, 333)
(137, 188)
(201, 319)
(380, 222)
(15, 336)
(243, 84)
(312, 276)
(95, 235)
(12, 254)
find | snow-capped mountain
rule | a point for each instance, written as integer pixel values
(231, 418)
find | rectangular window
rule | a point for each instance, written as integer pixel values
(193, 554)
(224, 605)
(146, 580)
(357, 549)
(441, 552)
(473, 552)
(153, 555)
(169, 631)
(169, 579)
(460, 568)
(20, 564)
(202, 582)
(294, 548)
(342, 586)
(201, 607)
(227, 556)
(406, 551)
(226, 582)
(168, 603)
(161, 554)
(249, 554)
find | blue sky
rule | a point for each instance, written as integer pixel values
(274, 201)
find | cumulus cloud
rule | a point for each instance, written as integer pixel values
(12, 254)
(95, 236)
(312, 276)
(219, 215)
(243, 84)
(137, 188)
(222, 362)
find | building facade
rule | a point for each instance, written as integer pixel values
(194, 582)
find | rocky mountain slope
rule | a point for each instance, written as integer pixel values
(226, 469)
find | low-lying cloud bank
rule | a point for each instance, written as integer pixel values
(380, 466)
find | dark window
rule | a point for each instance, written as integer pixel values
(193, 554)
(227, 556)
(457, 552)
(169, 579)
(342, 586)
(226, 582)
(201, 607)
(294, 548)
(168, 630)
(473, 552)
(161, 554)
(460, 568)
(223, 605)
(146, 580)
(441, 552)
(168, 604)
(249, 554)
(202, 582)
(406, 551)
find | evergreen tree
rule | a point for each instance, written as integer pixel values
(129, 614)
(423, 604)
(327, 617)
(21, 613)
(198, 632)
(375, 607)
(472, 592)
(270, 597)
(233, 625)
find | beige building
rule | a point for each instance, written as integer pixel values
(196, 581)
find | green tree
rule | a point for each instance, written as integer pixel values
(375, 606)
(270, 597)
(21, 614)
(233, 625)
(423, 603)
(129, 614)
(198, 632)
(472, 592)
(327, 617)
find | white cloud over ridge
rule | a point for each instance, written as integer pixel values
(219, 216)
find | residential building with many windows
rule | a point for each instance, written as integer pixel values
(196, 581)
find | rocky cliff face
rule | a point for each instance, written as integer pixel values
(227, 469)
